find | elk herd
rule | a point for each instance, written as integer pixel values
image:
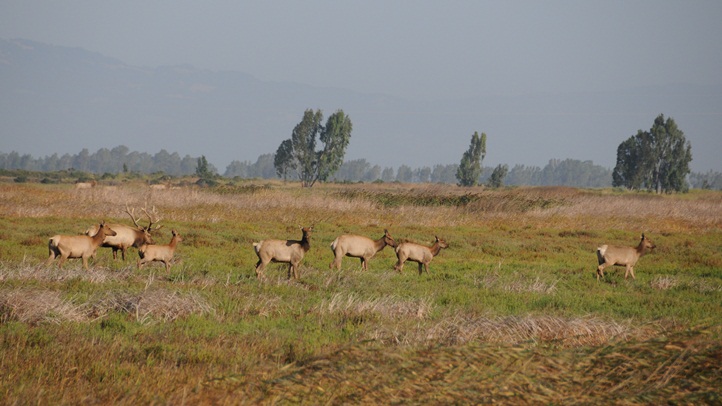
(120, 237)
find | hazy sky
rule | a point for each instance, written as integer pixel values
(424, 50)
(412, 49)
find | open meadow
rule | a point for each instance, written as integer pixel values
(511, 312)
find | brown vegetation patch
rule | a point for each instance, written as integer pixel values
(680, 369)
(41, 306)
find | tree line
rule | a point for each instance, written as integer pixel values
(657, 160)
(566, 172)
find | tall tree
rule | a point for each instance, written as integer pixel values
(470, 167)
(496, 180)
(299, 152)
(657, 159)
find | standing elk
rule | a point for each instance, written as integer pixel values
(284, 251)
(160, 253)
(358, 246)
(128, 236)
(408, 251)
(77, 246)
(609, 255)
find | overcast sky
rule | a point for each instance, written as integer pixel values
(413, 49)
(419, 50)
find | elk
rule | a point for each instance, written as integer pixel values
(609, 255)
(290, 252)
(418, 253)
(358, 246)
(85, 185)
(77, 246)
(128, 236)
(160, 253)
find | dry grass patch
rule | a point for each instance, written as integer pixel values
(152, 305)
(41, 306)
(517, 283)
(664, 282)
(461, 329)
(353, 307)
(53, 274)
(34, 306)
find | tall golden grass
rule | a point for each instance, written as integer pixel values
(290, 204)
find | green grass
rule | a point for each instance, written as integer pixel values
(511, 312)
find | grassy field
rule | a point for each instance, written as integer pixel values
(511, 312)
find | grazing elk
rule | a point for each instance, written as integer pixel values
(77, 246)
(160, 253)
(358, 246)
(408, 251)
(128, 236)
(609, 255)
(290, 252)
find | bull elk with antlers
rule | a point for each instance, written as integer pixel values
(77, 246)
(127, 236)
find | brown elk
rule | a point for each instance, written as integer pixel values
(85, 185)
(160, 253)
(408, 251)
(128, 236)
(284, 251)
(608, 255)
(77, 246)
(358, 246)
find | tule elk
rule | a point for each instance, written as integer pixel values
(77, 246)
(160, 253)
(128, 236)
(609, 255)
(358, 246)
(408, 251)
(290, 252)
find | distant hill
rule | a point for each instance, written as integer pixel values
(60, 100)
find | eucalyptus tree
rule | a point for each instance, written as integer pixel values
(299, 153)
(657, 159)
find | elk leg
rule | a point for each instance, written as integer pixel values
(631, 270)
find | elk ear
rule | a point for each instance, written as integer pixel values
(642, 235)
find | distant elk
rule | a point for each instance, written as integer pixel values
(408, 251)
(160, 253)
(128, 236)
(290, 252)
(358, 246)
(77, 246)
(85, 185)
(608, 255)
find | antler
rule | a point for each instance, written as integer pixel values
(158, 218)
(131, 214)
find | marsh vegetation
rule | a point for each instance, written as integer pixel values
(510, 312)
